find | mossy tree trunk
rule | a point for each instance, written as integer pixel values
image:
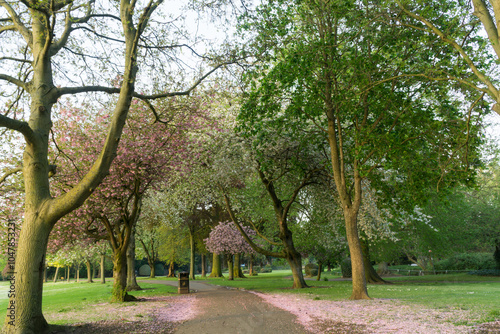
(55, 275)
(203, 266)
(103, 276)
(216, 266)
(237, 266)
(171, 268)
(89, 271)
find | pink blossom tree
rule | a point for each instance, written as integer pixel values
(226, 239)
(149, 153)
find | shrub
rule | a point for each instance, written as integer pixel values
(267, 269)
(467, 261)
(485, 272)
(345, 268)
(311, 269)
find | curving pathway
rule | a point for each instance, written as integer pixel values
(223, 310)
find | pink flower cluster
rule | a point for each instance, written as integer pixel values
(225, 238)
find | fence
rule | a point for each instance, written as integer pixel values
(418, 272)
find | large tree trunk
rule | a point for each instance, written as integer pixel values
(292, 256)
(24, 311)
(131, 277)
(119, 293)
(153, 269)
(250, 267)
(68, 271)
(230, 267)
(216, 266)
(192, 245)
(295, 261)
(237, 266)
(55, 275)
(89, 271)
(203, 266)
(94, 270)
(320, 270)
(78, 272)
(103, 278)
(171, 267)
(359, 289)
(371, 275)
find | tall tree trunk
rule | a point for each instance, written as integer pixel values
(78, 272)
(89, 271)
(250, 267)
(55, 275)
(171, 268)
(153, 269)
(237, 266)
(203, 266)
(119, 292)
(359, 289)
(192, 245)
(320, 270)
(68, 271)
(103, 277)
(131, 277)
(230, 267)
(24, 313)
(294, 259)
(292, 256)
(94, 269)
(216, 266)
(371, 275)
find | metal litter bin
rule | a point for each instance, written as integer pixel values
(183, 283)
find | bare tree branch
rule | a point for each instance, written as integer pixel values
(9, 173)
(19, 126)
(20, 27)
(13, 80)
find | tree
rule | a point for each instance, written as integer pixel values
(44, 33)
(335, 66)
(461, 31)
(225, 238)
(145, 159)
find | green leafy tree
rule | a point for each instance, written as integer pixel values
(336, 66)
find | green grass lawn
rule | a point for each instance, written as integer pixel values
(64, 296)
(478, 294)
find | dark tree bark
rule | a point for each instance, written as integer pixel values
(370, 273)
(320, 270)
(230, 267)
(132, 284)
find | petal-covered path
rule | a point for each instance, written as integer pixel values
(223, 310)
